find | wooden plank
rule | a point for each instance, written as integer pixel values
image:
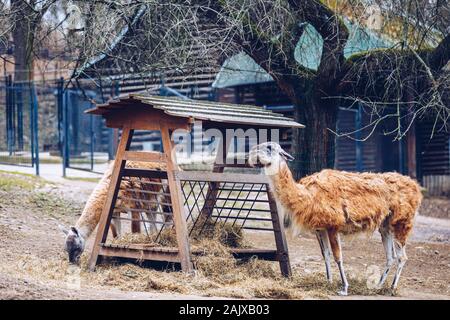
(144, 173)
(113, 190)
(144, 156)
(221, 177)
(143, 252)
(263, 254)
(132, 253)
(177, 202)
(280, 237)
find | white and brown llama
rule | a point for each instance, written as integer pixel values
(333, 202)
(77, 235)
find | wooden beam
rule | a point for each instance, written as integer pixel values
(144, 156)
(177, 201)
(113, 190)
(220, 177)
(280, 237)
(144, 173)
(139, 254)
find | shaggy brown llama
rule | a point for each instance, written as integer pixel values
(77, 235)
(333, 202)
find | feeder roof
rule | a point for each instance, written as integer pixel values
(201, 110)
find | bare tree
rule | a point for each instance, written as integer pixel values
(410, 75)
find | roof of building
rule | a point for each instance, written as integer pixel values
(201, 110)
(241, 69)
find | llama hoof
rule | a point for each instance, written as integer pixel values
(342, 293)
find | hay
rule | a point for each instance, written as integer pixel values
(226, 233)
(216, 276)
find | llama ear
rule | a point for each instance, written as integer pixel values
(286, 156)
(74, 230)
(63, 229)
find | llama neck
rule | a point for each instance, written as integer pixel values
(94, 206)
(288, 192)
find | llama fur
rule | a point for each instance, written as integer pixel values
(77, 235)
(334, 202)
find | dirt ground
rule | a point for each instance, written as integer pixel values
(31, 243)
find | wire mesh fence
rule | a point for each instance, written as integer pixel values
(43, 122)
(19, 140)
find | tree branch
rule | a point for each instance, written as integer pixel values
(440, 56)
(334, 34)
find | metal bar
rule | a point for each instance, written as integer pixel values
(256, 200)
(144, 173)
(36, 128)
(143, 220)
(92, 136)
(20, 93)
(31, 124)
(147, 183)
(125, 209)
(65, 133)
(248, 218)
(145, 201)
(253, 203)
(146, 191)
(220, 209)
(245, 209)
(257, 228)
(358, 142)
(59, 102)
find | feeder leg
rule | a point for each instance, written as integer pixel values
(280, 237)
(113, 190)
(177, 203)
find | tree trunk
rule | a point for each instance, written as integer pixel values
(314, 146)
(23, 37)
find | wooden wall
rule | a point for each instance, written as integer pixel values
(378, 153)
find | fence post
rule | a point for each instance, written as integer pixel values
(91, 124)
(31, 124)
(8, 97)
(59, 103)
(65, 134)
(358, 142)
(20, 98)
(35, 127)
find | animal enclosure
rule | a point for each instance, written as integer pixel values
(187, 203)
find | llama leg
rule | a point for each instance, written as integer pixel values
(322, 237)
(116, 226)
(388, 244)
(335, 243)
(401, 260)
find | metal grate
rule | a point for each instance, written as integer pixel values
(243, 205)
(145, 204)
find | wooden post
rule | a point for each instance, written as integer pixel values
(411, 136)
(177, 202)
(280, 237)
(113, 190)
(219, 167)
(411, 145)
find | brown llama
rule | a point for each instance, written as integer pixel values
(333, 202)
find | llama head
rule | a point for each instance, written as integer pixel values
(268, 155)
(74, 244)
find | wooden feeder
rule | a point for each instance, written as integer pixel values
(189, 197)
